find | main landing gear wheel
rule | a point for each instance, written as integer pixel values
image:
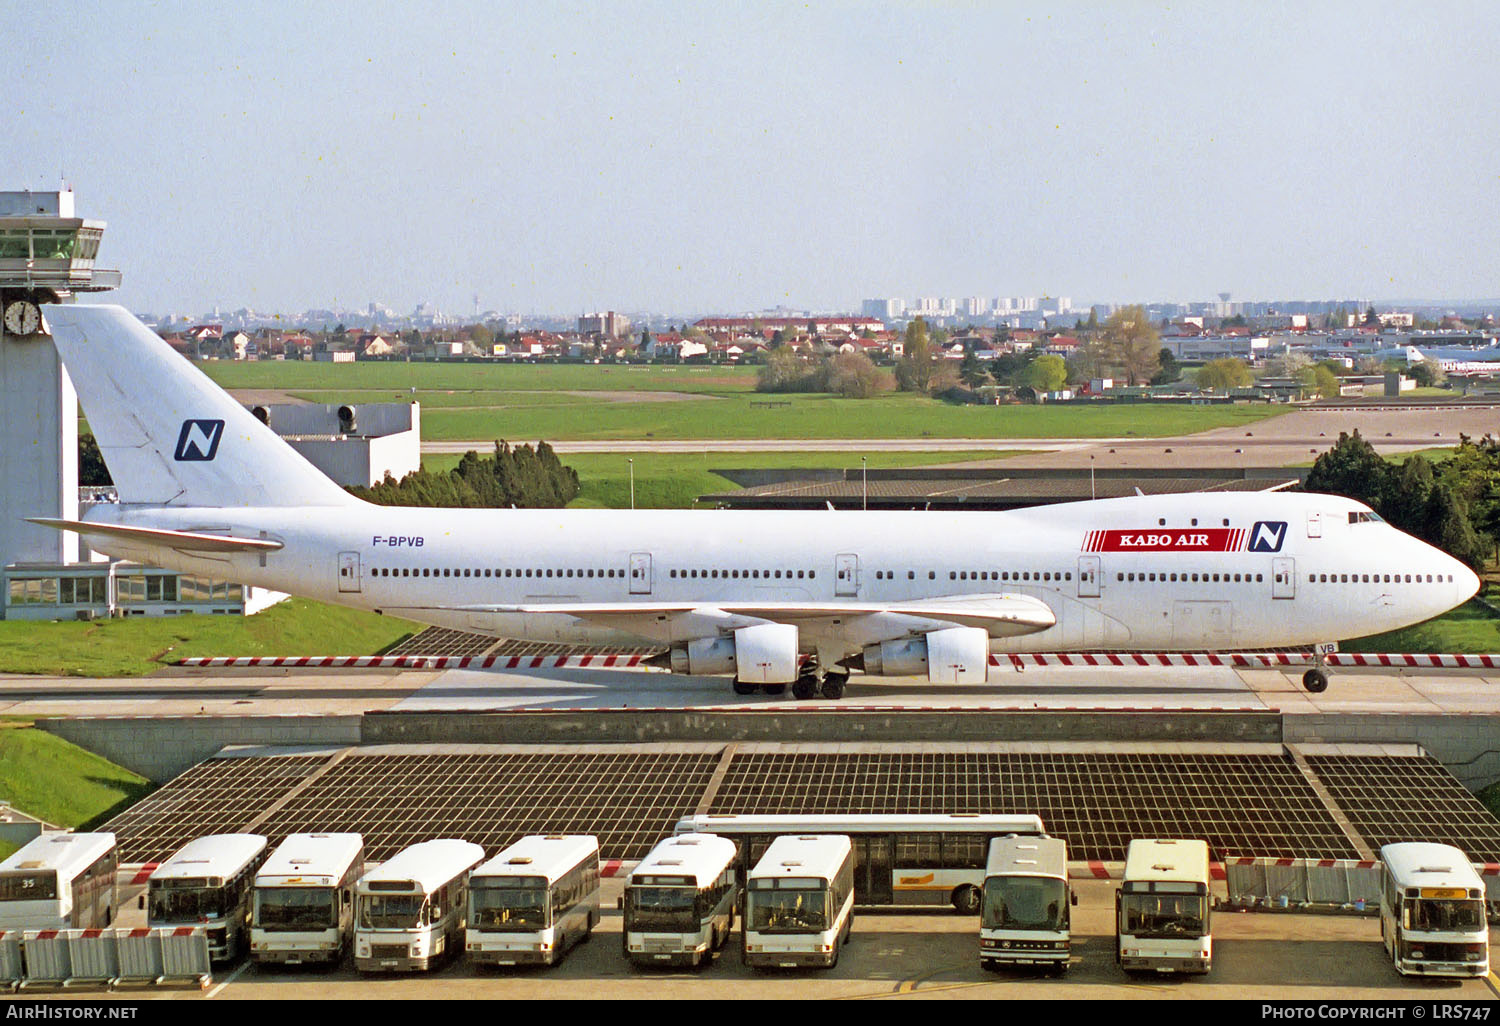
(773, 689)
(833, 685)
(1315, 681)
(805, 688)
(745, 687)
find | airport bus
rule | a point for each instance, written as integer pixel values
(1432, 911)
(409, 912)
(1025, 919)
(799, 904)
(680, 901)
(534, 900)
(1162, 908)
(59, 881)
(302, 902)
(898, 860)
(207, 883)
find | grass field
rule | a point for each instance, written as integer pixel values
(745, 416)
(675, 480)
(516, 401)
(137, 645)
(303, 376)
(59, 782)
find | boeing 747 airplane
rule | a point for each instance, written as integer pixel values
(769, 598)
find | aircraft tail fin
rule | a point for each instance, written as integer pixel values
(169, 435)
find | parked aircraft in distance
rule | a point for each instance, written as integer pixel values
(770, 598)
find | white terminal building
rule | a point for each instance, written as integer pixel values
(47, 256)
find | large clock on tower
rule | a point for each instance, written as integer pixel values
(22, 317)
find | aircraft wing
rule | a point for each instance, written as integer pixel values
(1002, 615)
(183, 541)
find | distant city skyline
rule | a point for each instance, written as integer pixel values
(673, 157)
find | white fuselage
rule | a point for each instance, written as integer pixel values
(1201, 571)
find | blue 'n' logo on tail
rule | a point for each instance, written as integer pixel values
(199, 440)
(1267, 535)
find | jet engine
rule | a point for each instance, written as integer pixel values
(763, 654)
(955, 655)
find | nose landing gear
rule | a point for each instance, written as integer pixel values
(1315, 680)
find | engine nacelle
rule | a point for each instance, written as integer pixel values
(955, 655)
(763, 654)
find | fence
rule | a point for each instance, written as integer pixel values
(104, 958)
(1342, 885)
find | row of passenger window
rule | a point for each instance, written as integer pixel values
(1200, 578)
(1379, 578)
(383, 571)
(765, 575)
(983, 575)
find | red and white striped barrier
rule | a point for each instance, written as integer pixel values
(1248, 660)
(1016, 660)
(617, 662)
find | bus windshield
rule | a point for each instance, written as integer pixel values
(1025, 903)
(789, 911)
(392, 911)
(28, 886)
(657, 909)
(516, 909)
(186, 904)
(1446, 915)
(1163, 915)
(295, 908)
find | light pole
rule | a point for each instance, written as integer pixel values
(864, 483)
(631, 461)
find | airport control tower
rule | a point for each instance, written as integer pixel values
(46, 256)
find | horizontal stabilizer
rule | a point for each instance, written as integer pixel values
(183, 541)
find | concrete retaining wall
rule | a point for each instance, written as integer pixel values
(1467, 745)
(160, 747)
(627, 726)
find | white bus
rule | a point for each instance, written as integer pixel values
(799, 905)
(59, 882)
(1027, 904)
(898, 860)
(680, 901)
(302, 907)
(534, 900)
(409, 912)
(1162, 908)
(207, 883)
(1432, 911)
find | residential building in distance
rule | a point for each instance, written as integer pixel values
(608, 323)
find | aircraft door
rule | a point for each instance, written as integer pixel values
(640, 573)
(349, 571)
(1283, 578)
(846, 574)
(1088, 576)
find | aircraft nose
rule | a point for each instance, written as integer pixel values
(1466, 581)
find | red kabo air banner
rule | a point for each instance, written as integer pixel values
(1163, 539)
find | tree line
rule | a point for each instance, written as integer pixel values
(522, 477)
(1452, 503)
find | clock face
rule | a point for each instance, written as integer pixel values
(22, 318)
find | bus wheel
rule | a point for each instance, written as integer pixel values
(966, 900)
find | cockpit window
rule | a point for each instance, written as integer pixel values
(1364, 518)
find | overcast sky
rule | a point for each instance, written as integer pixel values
(687, 157)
